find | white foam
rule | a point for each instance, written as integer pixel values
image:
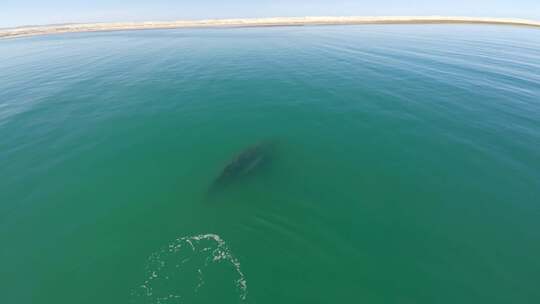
(203, 251)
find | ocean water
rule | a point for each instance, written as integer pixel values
(405, 166)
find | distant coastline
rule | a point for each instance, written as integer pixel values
(254, 22)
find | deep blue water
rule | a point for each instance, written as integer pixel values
(405, 166)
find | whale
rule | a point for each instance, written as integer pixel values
(246, 162)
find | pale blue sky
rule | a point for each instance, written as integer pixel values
(25, 12)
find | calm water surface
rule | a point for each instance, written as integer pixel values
(406, 167)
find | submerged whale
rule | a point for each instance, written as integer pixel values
(246, 162)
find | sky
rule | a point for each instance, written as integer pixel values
(34, 12)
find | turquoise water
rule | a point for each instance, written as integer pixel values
(406, 166)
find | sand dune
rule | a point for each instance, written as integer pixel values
(278, 21)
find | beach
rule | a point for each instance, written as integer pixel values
(255, 22)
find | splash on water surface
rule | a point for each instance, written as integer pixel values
(192, 269)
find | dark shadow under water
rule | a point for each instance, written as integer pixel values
(244, 166)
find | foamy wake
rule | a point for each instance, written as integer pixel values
(177, 273)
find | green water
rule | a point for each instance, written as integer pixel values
(406, 169)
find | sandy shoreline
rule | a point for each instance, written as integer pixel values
(279, 21)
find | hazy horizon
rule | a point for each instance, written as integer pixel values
(34, 12)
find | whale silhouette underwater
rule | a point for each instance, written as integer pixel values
(249, 161)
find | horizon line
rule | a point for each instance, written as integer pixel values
(35, 30)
